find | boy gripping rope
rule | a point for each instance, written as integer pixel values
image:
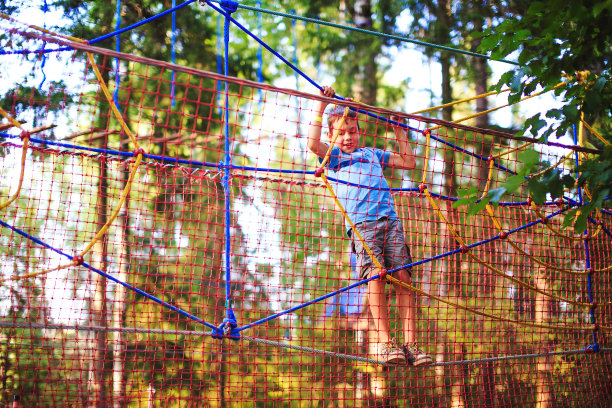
(364, 193)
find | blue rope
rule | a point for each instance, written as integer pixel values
(297, 70)
(218, 332)
(219, 63)
(118, 49)
(176, 161)
(407, 266)
(131, 27)
(295, 45)
(41, 51)
(259, 55)
(173, 52)
(44, 55)
(230, 320)
(110, 277)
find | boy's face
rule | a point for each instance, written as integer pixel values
(348, 137)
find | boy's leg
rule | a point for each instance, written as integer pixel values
(377, 297)
(407, 307)
(406, 301)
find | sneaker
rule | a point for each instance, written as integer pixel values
(415, 355)
(391, 353)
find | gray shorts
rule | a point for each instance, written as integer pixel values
(385, 238)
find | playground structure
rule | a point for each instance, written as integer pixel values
(181, 248)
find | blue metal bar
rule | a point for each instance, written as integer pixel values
(109, 277)
(148, 20)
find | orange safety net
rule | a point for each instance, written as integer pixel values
(503, 304)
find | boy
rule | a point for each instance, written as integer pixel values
(364, 194)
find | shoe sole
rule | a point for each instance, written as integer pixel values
(425, 360)
(396, 360)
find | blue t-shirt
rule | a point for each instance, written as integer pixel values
(361, 186)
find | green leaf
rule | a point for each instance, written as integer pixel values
(496, 194)
(571, 112)
(537, 191)
(513, 183)
(554, 114)
(479, 206)
(529, 158)
(599, 84)
(568, 181)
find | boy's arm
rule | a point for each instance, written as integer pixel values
(405, 158)
(314, 133)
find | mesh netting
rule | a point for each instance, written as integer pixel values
(506, 321)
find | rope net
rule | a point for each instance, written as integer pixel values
(138, 320)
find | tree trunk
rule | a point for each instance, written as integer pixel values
(365, 85)
(98, 306)
(121, 250)
(457, 395)
(99, 316)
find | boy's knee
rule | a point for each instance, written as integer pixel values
(404, 276)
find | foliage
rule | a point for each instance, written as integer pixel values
(572, 44)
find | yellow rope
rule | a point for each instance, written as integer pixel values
(334, 137)
(485, 112)
(496, 222)
(24, 154)
(128, 184)
(491, 316)
(594, 132)
(484, 95)
(491, 267)
(118, 116)
(555, 231)
(553, 166)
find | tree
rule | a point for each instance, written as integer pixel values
(573, 44)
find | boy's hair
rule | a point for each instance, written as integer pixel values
(336, 112)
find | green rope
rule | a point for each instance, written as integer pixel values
(375, 33)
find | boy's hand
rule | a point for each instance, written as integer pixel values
(397, 119)
(328, 91)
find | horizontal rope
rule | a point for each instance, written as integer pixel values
(266, 87)
(49, 326)
(176, 163)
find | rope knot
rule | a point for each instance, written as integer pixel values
(78, 260)
(138, 151)
(503, 235)
(422, 187)
(24, 135)
(318, 172)
(229, 6)
(426, 132)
